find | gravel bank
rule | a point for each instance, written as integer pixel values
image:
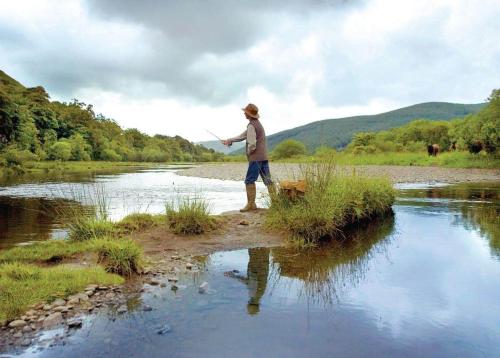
(398, 174)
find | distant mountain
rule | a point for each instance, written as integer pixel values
(219, 147)
(338, 132)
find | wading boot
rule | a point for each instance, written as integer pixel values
(251, 193)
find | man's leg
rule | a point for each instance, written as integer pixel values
(252, 175)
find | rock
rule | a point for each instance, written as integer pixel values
(17, 323)
(47, 307)
(203, 288)
(110, 295)
(61, 309)
(175, 257)
(91, 287)
(17, 335)
(52, 320)
(74, 322)
(121, 309)
(163, 284)
(27, 329)
(173, 279)
(73, 301)
(174, 287)
(31, 313)
(102, 288)
(164, 329)
(244, 222)
(89, 293)
(176, 270)
(154, 282)
(58, 302)
(147, 308)
(26, 342)
(189, 266)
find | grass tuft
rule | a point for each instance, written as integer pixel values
(332, 202)
(86, 228)
(139, 222)
(121, 256)
(189, 216)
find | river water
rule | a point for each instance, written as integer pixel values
(424, 282)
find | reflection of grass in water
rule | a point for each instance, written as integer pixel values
(486, 219)
(327, 269)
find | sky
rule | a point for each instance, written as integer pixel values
(181, 67)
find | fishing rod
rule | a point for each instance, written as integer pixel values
(219, 138)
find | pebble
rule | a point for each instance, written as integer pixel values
(173, 279)
(174, 287)
(175, 257)
(163, 284)
(52, 320)
(147, 308)
(75, 322)
(189, 266)
(164, 329)
(58, 302)
(154, 282)
(203, 287)
(244, 222)
(17, 323)
(26, 342)
(17, 335)
(122, 309)
(27, 329)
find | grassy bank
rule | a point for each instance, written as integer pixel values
(448, 159)
(332, 202)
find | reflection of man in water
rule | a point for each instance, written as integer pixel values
(256, 280)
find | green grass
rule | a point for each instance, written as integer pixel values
(446, 159)
(139, 222)
(22, 285)
(189, 216)
(91, 228)
(121, 256)
(332, 202)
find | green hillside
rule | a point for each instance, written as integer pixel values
(339, 132)
(32, 127)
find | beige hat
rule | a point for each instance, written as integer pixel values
(251, 110)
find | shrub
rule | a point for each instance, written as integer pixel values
(60, 151)
(16, 157)
(333, 201)
(110, 155)
(189, 216)
(289, 148)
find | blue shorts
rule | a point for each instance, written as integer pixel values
(256, 168)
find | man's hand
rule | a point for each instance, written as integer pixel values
(227, 142)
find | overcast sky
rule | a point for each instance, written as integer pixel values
(178, 67)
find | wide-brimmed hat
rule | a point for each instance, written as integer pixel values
(251, 110)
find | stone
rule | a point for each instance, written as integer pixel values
(53, 320)
(89, 293)
(61, 309)
(47, 307)
(102, 288)
(203, 287)
(73, 301)
(163, 284)
(27, 329)
(174, 287)
(164, 329)
(154, 282)
(17, 335)
(173, 279)
(189, 266)
(121, 309)
(110, 295)
(74, 322)
(147, 308)
(17, 323)
(244, 222)
(58, 302)
(91, 287)
(26, 342)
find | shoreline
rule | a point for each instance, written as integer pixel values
(397, 174)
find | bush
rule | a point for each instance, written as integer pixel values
(138, 222)
(332, 202)
(289, 148)
(86, 228)
(110, 155)
(189, 216)
(60, 151)
(15, 157)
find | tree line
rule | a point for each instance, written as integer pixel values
(32, 127)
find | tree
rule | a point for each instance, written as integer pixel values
(289, 148)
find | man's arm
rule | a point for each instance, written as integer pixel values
(238, 138)
(251, 139)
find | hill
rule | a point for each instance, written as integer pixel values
(219, 147)
(35, 128)
(338, 132)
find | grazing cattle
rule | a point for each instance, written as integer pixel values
(433, 149)
(453, 147)
(476, 147)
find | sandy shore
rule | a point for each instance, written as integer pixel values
(398, 174)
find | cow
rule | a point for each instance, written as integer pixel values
(433, 149)
(453, 147)
(476, 147)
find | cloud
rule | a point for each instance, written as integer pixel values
(299, 60)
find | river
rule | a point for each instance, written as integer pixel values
(424, 282)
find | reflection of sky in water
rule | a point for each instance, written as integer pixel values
(426, 286)
(146, 191)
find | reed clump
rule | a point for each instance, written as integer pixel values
(189, 216)
(333, 201)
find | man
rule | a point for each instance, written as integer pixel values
(256, 150)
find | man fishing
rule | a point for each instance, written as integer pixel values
(256, 151)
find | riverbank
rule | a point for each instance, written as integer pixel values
(397, 174)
